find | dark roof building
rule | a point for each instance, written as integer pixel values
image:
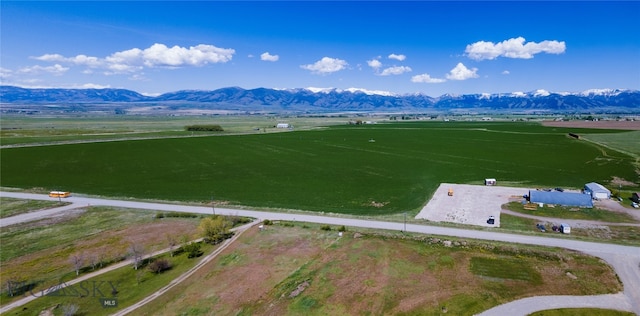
(560, 198)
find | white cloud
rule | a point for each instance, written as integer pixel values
(460, 72)
(326, 65)
(268, 57)
(374, 63)
(5, 73)
(426, 78)
(395, 70)
(157, 55)
(397, 57)
(506, 72)
(56, 70)
(513, 48)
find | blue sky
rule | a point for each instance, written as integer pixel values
(401, 47)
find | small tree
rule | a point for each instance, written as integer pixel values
(192, 249)
(172, 241)
(14, 286)
(214, 230)
(136, 252)
(93, 260)
(159, 265)
(77, 260)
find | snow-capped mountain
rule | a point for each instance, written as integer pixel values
(327, 99)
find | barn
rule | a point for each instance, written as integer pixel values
(560, 198)
(597, 191)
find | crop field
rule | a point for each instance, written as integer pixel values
(373, 169)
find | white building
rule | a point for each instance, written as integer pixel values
(283, 125)
(597, 191)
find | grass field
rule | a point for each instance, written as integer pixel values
(132, 286)
(307, 271)
(372, 169)
(12, 207)
(39, 251)
(592, 214)
(627, 142)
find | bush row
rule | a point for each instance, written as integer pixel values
(204, 128)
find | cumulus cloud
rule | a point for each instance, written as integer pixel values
(397, 57)
(326, 65)
(506, 72)
(157, 55)
(268, 57)
(5, 73)
(374, 63)
(513, 48)
(460, 72)
(426, 78)
(395, 70)
(56, 70)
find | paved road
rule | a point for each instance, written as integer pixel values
(624, 259)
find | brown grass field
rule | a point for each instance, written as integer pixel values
(304, 270)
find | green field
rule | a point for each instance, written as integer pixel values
(368, 169)
(12, 207)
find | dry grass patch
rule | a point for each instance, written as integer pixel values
(100, 242)
(293, 271)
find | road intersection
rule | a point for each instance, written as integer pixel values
(624, 259)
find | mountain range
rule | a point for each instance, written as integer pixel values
(311, 100)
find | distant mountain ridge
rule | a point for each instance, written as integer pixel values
(324, 100)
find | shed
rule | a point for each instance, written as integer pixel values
(597, 191)
(490, 181)
(560, 198)
(283, 125)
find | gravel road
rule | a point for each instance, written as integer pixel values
(624, 259)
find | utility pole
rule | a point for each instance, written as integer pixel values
(405, 222)
(213, 206)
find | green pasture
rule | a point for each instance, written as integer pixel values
(19, 130)
(12, 207)
(368, 169)
(592, 214)
(626, 142)
(131, 285)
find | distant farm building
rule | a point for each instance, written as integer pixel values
(284, 125)
(490, 181)
(597, 191)
(560, 198)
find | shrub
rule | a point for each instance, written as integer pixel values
(342, 229)
(160, 265)
(267, 222)
(325, 227)
(204, 128)
(192, 249)
(159, 215)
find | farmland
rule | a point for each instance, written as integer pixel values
(373, 169)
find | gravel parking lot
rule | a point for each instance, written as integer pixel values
(470, 204)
